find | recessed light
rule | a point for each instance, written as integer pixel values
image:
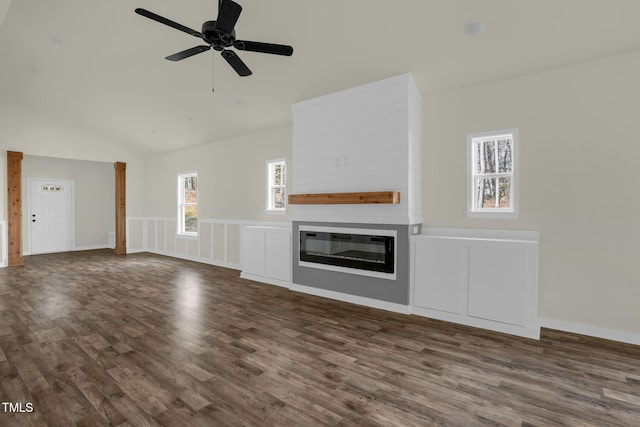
(475, 27)
(55, 39)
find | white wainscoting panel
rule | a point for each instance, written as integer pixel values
(217, 243)
(482, 278)
(278, 255)
(266, 254)
(498, 282)
(206, 240)
(253, 251)
(441, 262)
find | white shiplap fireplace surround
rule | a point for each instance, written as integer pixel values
(364, 139)
(368, 139)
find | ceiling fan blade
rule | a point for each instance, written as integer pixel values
(236, 63)
(187, 53)
(228, 14)
(165, 21)
(275, 49)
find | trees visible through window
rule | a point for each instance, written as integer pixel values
(188, 204)
(492, 178)
(276, 186)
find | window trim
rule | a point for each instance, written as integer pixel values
(181, 204)
(269, 202)
(494, 213)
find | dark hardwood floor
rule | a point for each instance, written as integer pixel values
(92, 339)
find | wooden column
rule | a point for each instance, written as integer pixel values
(121, 211)
(14, 207)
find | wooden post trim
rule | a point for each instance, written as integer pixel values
(14, 207)
(121, 209)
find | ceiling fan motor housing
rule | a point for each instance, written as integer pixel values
(216, 38)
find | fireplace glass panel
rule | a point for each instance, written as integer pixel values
(359, 251)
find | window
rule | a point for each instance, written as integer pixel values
(492, 167)
(188, 204)
(276, 186)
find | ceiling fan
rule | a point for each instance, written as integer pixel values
(220, 35)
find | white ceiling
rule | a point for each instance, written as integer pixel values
(98, 65)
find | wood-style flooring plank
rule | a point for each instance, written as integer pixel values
(91, 339)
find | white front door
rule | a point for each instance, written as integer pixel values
(50, 215)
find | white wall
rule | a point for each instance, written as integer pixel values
(579, 151)
(94, 186)
(34, 133)
(231, 177)
(4, 8)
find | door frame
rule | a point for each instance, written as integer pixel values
(13, 235)
(69, 182)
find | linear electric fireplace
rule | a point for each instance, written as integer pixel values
(366, 252)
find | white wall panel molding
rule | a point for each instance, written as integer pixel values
(482, 278)
(218, 241)
(266, 254)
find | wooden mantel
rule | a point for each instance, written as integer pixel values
(370, 197)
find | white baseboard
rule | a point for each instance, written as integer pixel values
(354, 299)
(74, 249)
(91, 248)
(593, 331)
(136, 251)
(266, 280)
(520, 331)
(230, 265)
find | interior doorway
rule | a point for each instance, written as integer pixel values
(50, 215)
(93, 191)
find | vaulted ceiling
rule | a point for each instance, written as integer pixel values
(98, 65)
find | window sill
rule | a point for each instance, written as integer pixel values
(493, 215)
(275, 212)
(187, 235)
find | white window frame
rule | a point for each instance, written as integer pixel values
(474, 211)
(181, 204)
(271, 209)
